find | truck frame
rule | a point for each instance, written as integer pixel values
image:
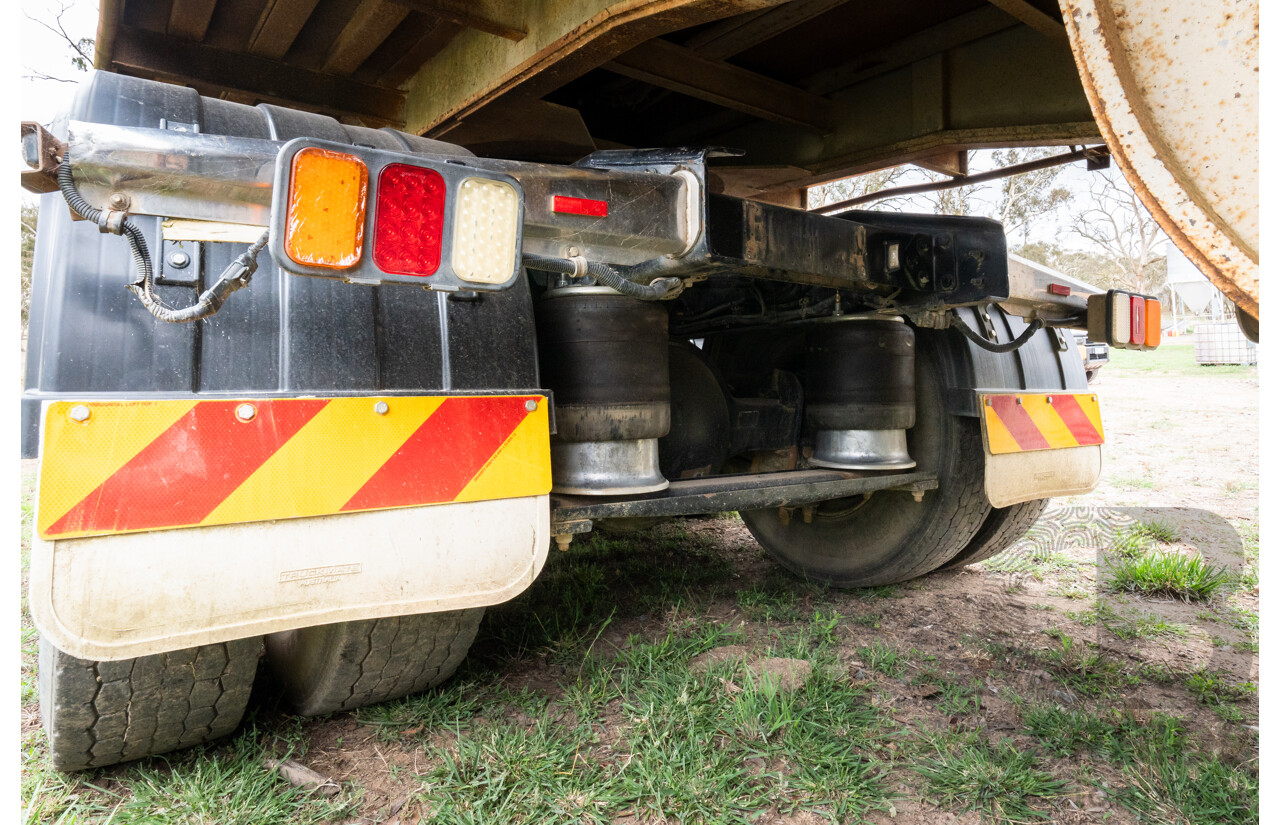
(330, 346)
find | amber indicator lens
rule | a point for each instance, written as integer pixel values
(324, 224)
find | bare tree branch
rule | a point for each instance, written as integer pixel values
(83, 47)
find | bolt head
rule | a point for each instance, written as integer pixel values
(1048, 399)
(381, 408)
(246, 412)
(118, 200)
(531, 404)
(179, 260)
(79, 413)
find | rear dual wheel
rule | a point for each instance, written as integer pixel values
(889, 537)
(347, 665)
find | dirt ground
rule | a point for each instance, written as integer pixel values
(959, 663)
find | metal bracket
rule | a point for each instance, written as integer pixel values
(1060, 340)
(984, 319)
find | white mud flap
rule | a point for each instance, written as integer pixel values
(120, 596)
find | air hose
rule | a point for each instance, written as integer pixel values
(1032, 328)
(235, 276)
(607, 275)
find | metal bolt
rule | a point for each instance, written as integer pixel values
(1019, 402)
(118, 201)
(79, 413)
(987, 401)
(573, 252)
(381, 408)
(918, 495)
(531, 404)
(1048, 399)
(563, 540)
(246, 412)
(179, 260)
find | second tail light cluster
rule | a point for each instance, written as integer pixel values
(1124, 320)
(371, 216)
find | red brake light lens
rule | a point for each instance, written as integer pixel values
(408, 227)
(1137, 320)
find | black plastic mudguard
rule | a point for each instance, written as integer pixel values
(284, 335)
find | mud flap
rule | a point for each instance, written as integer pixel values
(120, 596)
(1013, 478)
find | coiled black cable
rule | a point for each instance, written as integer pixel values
(1035, 326)
(235, 276)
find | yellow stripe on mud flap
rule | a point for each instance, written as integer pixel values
(89, 451)
(344, 445)
(1045, 416)
(1025, 422)
(522, 459)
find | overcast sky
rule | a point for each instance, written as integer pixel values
(44, 52)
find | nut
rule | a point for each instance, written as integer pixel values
(531, 404)
(118, 201)
(246, 412)
(79, 413)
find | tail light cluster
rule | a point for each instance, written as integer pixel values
(371, 216)
(1124, 320)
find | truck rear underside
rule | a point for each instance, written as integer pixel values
(488, 313)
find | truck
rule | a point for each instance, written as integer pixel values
(344, 315)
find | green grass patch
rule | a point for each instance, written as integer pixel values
(229, 783)
(1186, 577)
(998, 780)
(1168, 778)
(1171, 357)
(1130, 625)
(883, 658)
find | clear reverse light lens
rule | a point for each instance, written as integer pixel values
(484, 231)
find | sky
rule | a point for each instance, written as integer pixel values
(43, 52)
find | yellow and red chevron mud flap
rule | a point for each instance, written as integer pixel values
(132, 466)
(1024, 422)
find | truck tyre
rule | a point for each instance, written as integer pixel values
(347, 665)
(889, 537)
(100, 713)
(999, 532)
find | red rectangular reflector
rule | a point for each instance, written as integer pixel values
(579, 206)
(1059, 289)
(408, 226)
(1137, 320)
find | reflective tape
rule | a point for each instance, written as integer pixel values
(1022, 422)
(130, 466)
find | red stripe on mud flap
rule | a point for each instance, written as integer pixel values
(180, 477)
(442, 455)
(1077, 422)
(1019, 424)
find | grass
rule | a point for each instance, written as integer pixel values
(1171, 357)
(883, 658)
(1131, 625)
(1167, 777)
(999, 780)
(1169, 574)
(228, 783)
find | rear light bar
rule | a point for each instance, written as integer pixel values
(1124, 320)
(443, 226)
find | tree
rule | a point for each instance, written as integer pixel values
(1030, 196)
(28, 215)
(81, 47)
(1117, 225)
(856, 187)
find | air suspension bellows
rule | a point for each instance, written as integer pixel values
(860, 395)
(604, 356)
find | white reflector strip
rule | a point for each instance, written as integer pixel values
(1119, 312)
